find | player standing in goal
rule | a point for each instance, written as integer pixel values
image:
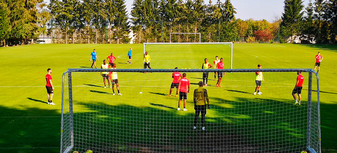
(298, 88)
(220, 74)
(175, 83)
(147, 60)
(111, 59)
(205, 65)
(216, 61)
(93, 58)
(114, 80)
(50, 87)
(184, 88)
(319, 59)
(200, 98)
(258, 80)
(105, 75)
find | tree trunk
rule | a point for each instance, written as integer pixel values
(96, 35)
(88, 33)
(5, 45)
(67, 35)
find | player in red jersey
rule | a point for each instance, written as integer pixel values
(184, 88)
(319, 59)
(175, 83)
(298, 88)
(111, 59)
(220, 66)
(50, 87)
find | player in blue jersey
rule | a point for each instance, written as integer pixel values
(93, 58)
(129, 54)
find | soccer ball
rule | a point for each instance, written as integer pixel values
(140, 92)
(88, 151)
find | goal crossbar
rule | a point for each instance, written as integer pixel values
(195, 43)
(313, 144)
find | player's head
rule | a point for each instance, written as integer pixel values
(146, 53)
(49, 70)
(205, 60)
(200, 84)
(259, 66)
(318, 53)
(111, 54)
(184, 75)
(130, 48)
(94, 50)
(298, 72)
(104, 61)
(221, 59)
(176, 68)
(216, 57)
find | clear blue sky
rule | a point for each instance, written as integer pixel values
(248, 9)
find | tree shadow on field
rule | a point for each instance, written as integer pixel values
(324, 46)
(37, 100)
(31, 130)
(243, 125)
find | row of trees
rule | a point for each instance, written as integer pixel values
(107, 21)
(317, 21)
(21, 21)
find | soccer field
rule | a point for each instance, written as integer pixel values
(30, 125)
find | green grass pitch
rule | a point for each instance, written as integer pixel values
(30, 125)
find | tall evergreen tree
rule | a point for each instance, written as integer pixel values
(292, 18)
(4, 23)
(121, 24)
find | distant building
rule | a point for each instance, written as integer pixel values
(43, 39)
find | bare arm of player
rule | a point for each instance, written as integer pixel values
(51, 83)
(210, 66)
(179, 87)
(195, 97)
(188, 91)
(206, 96)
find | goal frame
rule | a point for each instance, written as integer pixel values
(200, 43)
(313, 144)
(184, 33)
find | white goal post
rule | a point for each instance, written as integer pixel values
(184, 33)
(197, 43)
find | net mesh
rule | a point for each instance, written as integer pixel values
(145, 119)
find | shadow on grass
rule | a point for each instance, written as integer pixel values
(100, 92)
(122, 63)
(157, 93)
(93, 85)
(238, 91)
(37, 100)
(85, 67)
(243, 125)
(327, 92)
(31, 130)
(330, 47)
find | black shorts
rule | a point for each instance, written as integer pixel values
(105, 76)
(318, 64)
(114, 81)
(146, 65)
(129, 57)
(200, 108)
(258, 82)
(174, 85)
(182, 95)
(220, 74)
(205, 75)
(49, 90)
(297, 90)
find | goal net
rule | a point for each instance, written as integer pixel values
(171, 54)
(145, 119)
